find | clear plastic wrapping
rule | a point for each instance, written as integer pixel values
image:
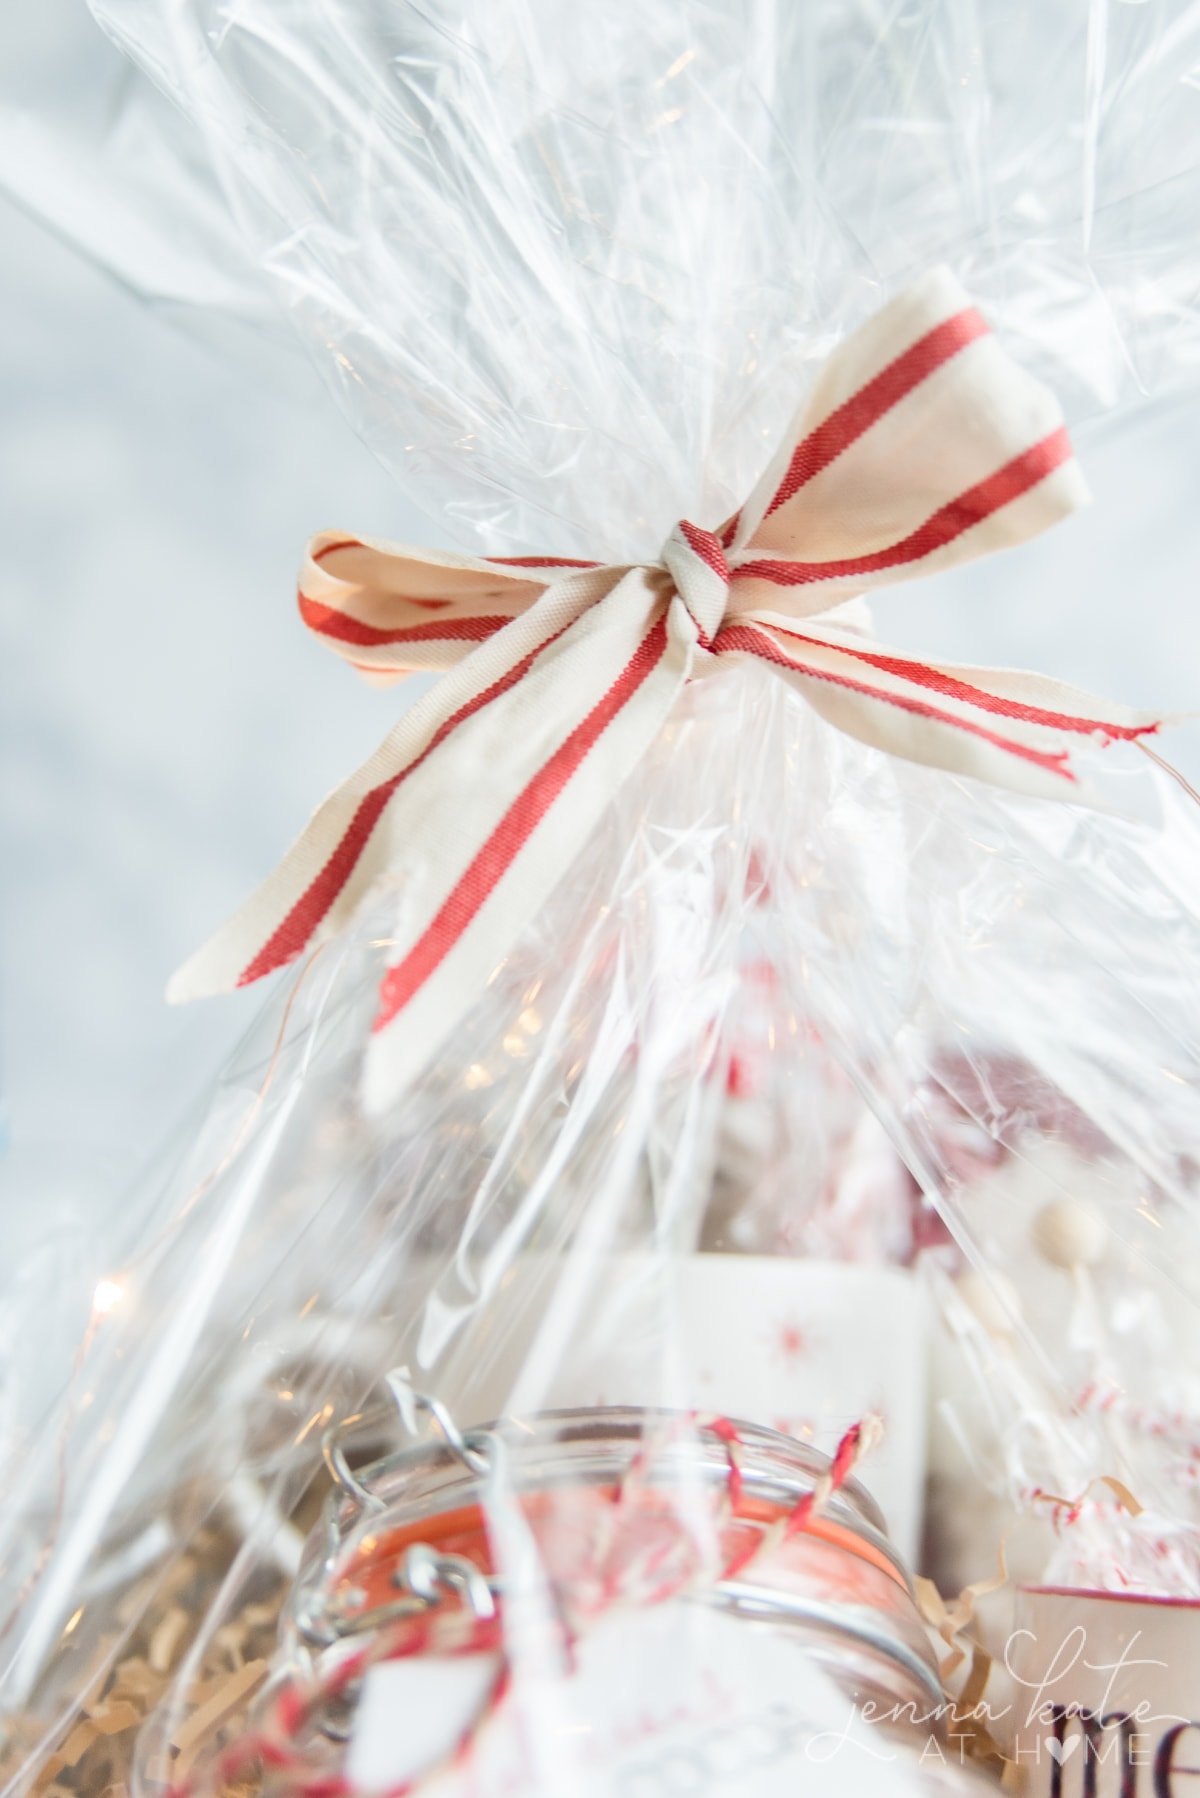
(526, 1228)
(568, 283)
(817, 1062)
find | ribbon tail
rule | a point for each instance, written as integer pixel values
(622, 673)
(1013, 730)
(474, 807)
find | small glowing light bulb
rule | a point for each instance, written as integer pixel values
(107, 1295)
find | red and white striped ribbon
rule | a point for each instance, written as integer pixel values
(921, 446)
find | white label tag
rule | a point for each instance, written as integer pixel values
(673, 1700)
(412, 1712)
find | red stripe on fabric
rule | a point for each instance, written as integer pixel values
(877, 397)
(327, 621)
(293, 934)
(729, 532)
(744, 637)
(950, 687)
(950, 521)
(540, 562)
(705, 545)
(497, 855)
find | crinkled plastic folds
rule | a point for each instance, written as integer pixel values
(568, 272)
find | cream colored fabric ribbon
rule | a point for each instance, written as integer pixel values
(921, 446)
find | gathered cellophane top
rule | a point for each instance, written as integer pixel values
(571, 283)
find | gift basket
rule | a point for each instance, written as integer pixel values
(702, 1032)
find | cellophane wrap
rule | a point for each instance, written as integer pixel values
(797, 1005)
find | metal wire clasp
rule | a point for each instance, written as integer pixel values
(428, 1574)
(474, 1448)
(319, 1611)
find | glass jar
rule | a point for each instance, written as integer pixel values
(679, 1537)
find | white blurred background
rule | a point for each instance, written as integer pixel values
(167, 726)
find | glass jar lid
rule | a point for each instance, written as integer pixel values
(618, 1505)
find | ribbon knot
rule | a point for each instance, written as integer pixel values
(920, 446)
(695, 561)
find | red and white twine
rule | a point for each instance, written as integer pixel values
(277, 1742)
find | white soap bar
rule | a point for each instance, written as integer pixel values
(805, 1347)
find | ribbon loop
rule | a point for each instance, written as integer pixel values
(920, 446)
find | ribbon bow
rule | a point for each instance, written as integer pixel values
(921, 446)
